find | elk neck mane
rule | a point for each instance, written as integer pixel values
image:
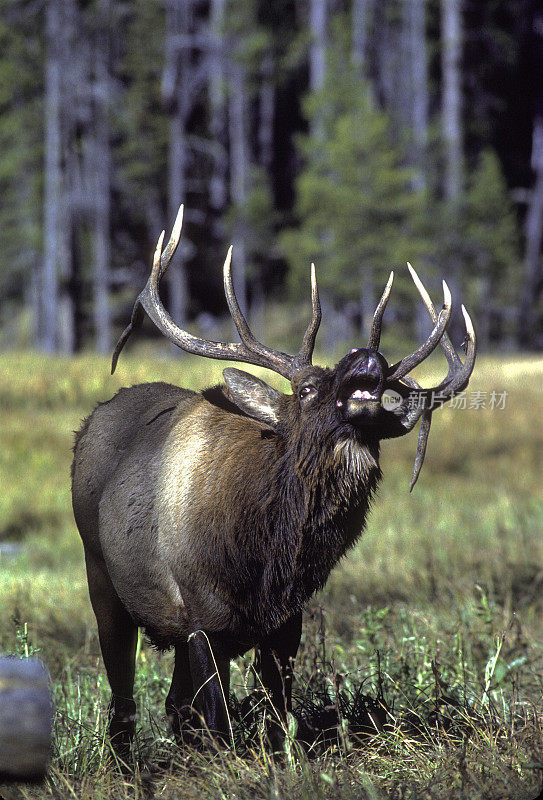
(322, 491)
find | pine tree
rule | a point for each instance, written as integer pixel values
(21, 145)
(250, 215)
(141, 125)
(357, 210)
(492, 257)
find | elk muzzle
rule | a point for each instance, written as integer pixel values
(360, 382)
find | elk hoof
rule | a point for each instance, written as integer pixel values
(122, 725)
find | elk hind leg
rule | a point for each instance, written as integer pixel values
(118, 637)
(179, 699)
(210, 671)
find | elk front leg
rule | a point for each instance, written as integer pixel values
(210, 673)
(275, 666)
(118, 640)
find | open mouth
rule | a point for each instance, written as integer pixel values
(362, 394)
(362, 390)
(360, 385)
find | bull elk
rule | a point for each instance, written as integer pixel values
(209, 519)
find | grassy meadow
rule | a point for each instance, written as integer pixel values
(424, 652)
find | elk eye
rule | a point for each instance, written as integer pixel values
(307, 391)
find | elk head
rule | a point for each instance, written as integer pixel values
(356, 384)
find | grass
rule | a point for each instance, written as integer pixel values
(432, 625)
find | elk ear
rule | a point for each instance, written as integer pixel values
(253, 396)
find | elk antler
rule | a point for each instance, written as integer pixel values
(375, 333)
(407, 364)
(421, 402)
(249, 350)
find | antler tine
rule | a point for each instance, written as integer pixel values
(249, 350)
(305, 353)
(458, 375)
(375, 333)
(424, 432)
(161, 262)
(160, 266)
(446, 344)
(171, 247)
(236, 313)
(455, 364)
(422, 441)
(456, 380)
(408, 363)
(261, 355)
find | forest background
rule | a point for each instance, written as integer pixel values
(358, 135)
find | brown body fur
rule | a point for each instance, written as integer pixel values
(207, 519)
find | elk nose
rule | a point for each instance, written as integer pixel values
(373, 363)
(366, 360)
(365, 364)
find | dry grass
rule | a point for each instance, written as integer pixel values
(437, 611)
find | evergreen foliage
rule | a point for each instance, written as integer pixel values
(21, 109)
(358, 214)
(140, 119)
(349, 193)
(255, 217)
(491, 231)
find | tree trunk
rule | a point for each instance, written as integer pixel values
(362, 9)
(451, 124)
(175, 88)
(418, 72)
(367, 303)
(534, 239)
(451, 110)
(318, 21)
(53, 179)
(267, 111)
(31, 259)
(239, 159)
(318, 29)
(218, 189)
(484, 315)
(533, 267)
(102, 169)
(361, 16)
(318, 26)
(76, 190)
(389, 61)
(416, 68)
